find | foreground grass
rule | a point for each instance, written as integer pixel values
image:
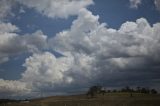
(110, 99)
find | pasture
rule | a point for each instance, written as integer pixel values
(109, 99)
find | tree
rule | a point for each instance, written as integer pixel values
(144, 90)
(114, 91)
(103, 91)
(153, 91)
(108, 91)
(94, 90)
(138, 90)
(127, 89)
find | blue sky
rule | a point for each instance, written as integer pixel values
(114, 12)
(33, 37)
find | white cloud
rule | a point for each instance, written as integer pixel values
(21, 10)
(88, 36)
(123, 63)
(57, 8)
(109, 50)
(3, 59)
(135, 3)
(78, 36)
(7, 27)
(49, 8)
(13, 44)
(157, 4)
(45, 70)
(5, 8)
(9, 88)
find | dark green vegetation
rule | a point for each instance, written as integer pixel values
(94, 90)
(109, 99)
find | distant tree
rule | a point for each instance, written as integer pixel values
(108, 91)
(90, 93)
(138, 90)
(128, 89)
(147, 91)
(123, 90)
(153, 91)
(144, 90)
(114, 91)
(103, 91)
(94, 90)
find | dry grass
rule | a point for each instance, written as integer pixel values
(111, 99)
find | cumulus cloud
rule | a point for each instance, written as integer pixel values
(49, 8)
(8, 27)
(135, 3)
(3, 59)
(88, 36)
(57, 8)
(13, 44)
(9, 88)
(157, 4)
(107, 51)
(45, 70)
(79, 31)
(5, 8)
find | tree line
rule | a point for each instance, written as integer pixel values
(94, 90)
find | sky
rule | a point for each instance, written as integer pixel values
(61, 47)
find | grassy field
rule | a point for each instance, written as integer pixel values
(109, 99)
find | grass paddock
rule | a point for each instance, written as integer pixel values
(109, 99)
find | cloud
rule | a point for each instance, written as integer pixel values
(5, 8)
(57, 8)
(49, 8)
(21, 10)
(13, 44)
(77, 37)
(44, 71)
(3, 59)
(9, 88)
(8, 27)
(109, 54)
(88, 36)
(135, 3)
(157, 4)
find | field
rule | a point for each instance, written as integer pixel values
(109, 99)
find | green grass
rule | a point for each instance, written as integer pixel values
(109, 99)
